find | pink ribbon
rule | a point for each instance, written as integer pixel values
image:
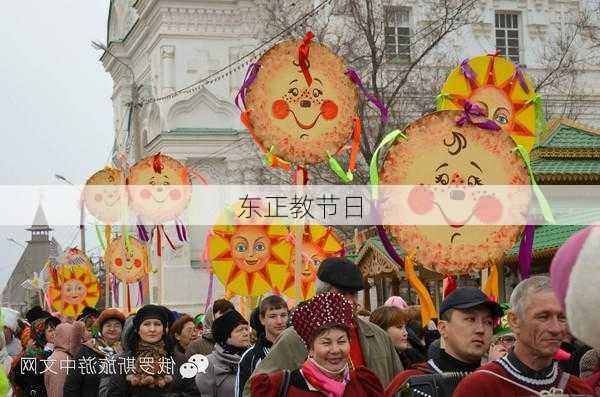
(383, 110)
(521, 78)
(251, 74)
(471, 109)
(468, 72)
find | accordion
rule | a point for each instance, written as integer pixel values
(433, 385)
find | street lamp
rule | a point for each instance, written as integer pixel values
(81, 215)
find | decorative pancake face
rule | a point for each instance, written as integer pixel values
(73, 288)
(159, 188)
(452, 218)
(302, 122)
(103, 194)
(248, 258)
(497, 90)
(129, 267)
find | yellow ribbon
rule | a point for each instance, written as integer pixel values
(491, 285)
(427, 307)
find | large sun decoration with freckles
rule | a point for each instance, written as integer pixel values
(249, 256)
(104, 194)
(159, 188)
(72, 288)
(319, 242)
(302, 112)
(128, 266)
(500, 89)
(453, 215)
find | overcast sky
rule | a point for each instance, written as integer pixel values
(55, 106)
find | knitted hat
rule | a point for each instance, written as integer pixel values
(396, 301)
(36, 313)
(150, 312)
(223, 326)
(110, 314)
(575, 276)
(342, 273)
(322, 311)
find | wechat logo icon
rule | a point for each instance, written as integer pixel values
(196, 364)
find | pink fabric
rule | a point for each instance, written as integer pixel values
(563, 262)
(330, 387)
(396, 301)
(67, 343)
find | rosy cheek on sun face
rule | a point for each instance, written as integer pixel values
(420, 200)
(145, 194)
(97, 197)
(280, 109)
(329, 110)
(175, 194)
(488, 209)
(137, 263)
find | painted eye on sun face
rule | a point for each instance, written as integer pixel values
(442, 179)
(260, 247)
(502, 119)
(240, 247)
(474, 180)
(294, 91)
(317, 92)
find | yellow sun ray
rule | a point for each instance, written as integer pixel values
(73, 288)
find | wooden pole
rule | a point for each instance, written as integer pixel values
(298, 236)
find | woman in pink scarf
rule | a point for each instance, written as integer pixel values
(324, 324)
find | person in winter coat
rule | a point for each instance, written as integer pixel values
(67, 342)
(153, 372)
(232, 337)
(324, 324)
(182, 332)
(84, 380)
(27, 373)
(205, 343)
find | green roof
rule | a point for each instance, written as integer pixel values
(566, 166)
(549, 237)
(569, 137)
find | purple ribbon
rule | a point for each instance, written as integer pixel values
(526, 250)
(519, 75)
(385, 240)
(251, 74)
(140, 300)
(353, 75)
(181, 231)
(209, 293)
(468, 72)
(115, 289)
(142, 232)
(471, 109)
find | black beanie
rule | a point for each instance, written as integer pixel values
(223, 326)
(36, 313)
(150, 312)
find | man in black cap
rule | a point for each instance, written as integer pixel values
(370, 346)
(466, 325)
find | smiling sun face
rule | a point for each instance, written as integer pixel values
(302, 122)
(103, 193)
(73, 288)
(248, 258)
(159, 188)
(457, 214)
(128, 266)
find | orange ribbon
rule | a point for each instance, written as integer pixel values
(427, 307)
(303, 61)
(491, 288)
(355, 144)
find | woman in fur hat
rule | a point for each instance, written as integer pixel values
(106, 345)
(232, 337)
(323, 323)
(152, 372)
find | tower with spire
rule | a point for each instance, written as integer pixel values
(33, 259)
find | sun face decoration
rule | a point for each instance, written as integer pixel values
(455, 219)
(103, 194)
(159, 188)
(128, 266)
(499, 89)
(249, 258)
(319, 242)
(302, 119)
(73, 288)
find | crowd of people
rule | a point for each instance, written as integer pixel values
(325, 346)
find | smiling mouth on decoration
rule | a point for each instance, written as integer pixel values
(454, 235)
(159, 201)
(252, 262)
(305, 126)
(113, 203)
(452, 223)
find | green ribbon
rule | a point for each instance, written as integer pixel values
(440, 100)
(268, 157)
(373, 171)
(546, 211)
(345, 176)
(100, 238)
(540, 121)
